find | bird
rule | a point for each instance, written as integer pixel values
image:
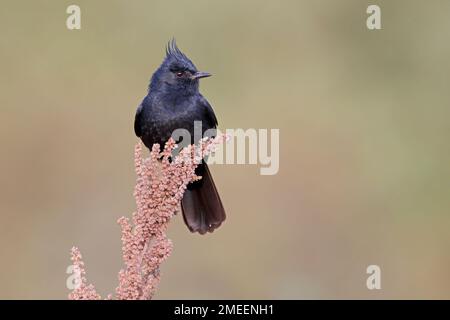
(174, 102)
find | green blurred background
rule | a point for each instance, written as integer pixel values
(364, 127)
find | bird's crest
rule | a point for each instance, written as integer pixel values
(172, 51)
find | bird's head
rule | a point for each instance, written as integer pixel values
(177, 73)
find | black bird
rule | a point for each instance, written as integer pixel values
(174, 102)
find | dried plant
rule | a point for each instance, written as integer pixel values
(160, 185)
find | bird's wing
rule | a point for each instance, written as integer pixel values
(209, 112)
(137, 121)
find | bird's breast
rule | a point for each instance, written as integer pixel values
(162, 121)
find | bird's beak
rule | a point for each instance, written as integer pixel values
(200, 74)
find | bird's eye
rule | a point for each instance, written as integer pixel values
(180, 74)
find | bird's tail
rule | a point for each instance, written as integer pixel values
(201, 205)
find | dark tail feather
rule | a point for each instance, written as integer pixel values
(201, 205)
